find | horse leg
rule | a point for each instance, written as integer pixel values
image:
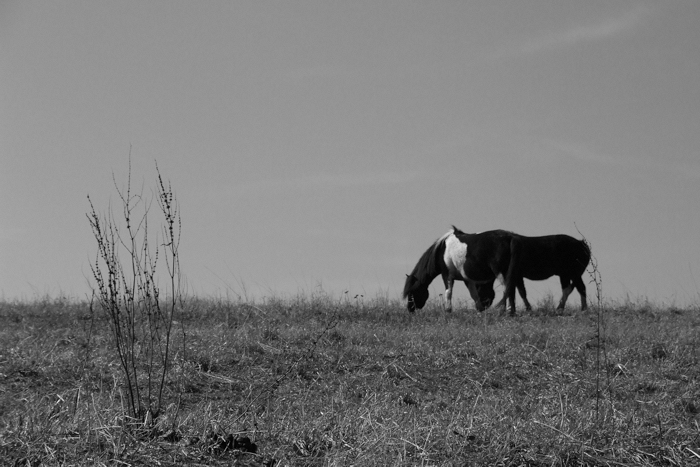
(502, 302)
(449, 284)
(523, 294)
(509, 286)
(581, 288)
(509, 295)
(566, 289)
(514, 276)
(511, 299)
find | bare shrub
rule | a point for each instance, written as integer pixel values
(128, 289)
(602, 363)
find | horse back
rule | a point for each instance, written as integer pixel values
(488, 253)
(539, 258)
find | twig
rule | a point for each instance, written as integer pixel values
(693, 452)
(555, 429)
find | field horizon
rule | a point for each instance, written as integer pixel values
(318, 379)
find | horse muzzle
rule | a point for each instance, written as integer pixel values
(481, 305)
(411, 305)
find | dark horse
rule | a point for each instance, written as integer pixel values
(477, 259)
(539, 258)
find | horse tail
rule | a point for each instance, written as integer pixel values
(510, 276)
(585, 253)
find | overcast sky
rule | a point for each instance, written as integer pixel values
(327, 144)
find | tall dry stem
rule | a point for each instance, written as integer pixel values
(128, 290)
(601, 353)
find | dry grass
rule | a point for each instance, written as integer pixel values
(317, 380)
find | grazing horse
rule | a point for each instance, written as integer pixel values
(477, 259)
(539, 258)
(458, 256)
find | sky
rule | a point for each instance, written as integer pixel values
(324, 145)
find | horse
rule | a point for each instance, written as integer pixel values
(457, 256)
(479, 258)
(539, 258)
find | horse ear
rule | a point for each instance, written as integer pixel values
(407, 275)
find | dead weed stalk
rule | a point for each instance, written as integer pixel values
(127, 288)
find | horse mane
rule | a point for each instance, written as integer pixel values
(430, 264)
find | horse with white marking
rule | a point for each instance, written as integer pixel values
(479, 258)
(452, 257)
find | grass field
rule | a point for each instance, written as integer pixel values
(321, 380)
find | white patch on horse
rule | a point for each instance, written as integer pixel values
(455, 257)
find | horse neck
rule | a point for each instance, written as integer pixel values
(430, 271)
(426, 280)
(431, 263)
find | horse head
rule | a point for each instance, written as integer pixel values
(482, 294)
(416, 293)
